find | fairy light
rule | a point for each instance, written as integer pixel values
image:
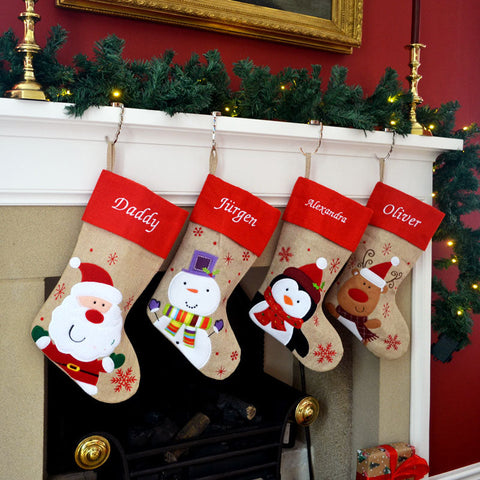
(459, 312)
(227, 109)
(475, 286)
(454, 260)
(434, 194)
(393, 122)
(450, 243)
(116, 93)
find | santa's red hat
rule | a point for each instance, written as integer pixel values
(96, 282)
(377, 273)
(309, 277)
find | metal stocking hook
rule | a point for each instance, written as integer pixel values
(213, 151)
(382, 160)
(110, 144)
(308, 155)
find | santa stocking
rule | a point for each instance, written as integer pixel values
(321, 229)
(363, 297)
(126, 234)
(228, 230)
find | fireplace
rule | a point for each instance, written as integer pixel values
(54, 162)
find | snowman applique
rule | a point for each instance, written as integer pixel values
(193, 295)
(290, 300)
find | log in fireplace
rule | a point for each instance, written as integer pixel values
(180, 424)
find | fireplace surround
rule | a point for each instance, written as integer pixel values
(50, 165)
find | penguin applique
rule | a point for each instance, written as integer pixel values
(290, 300)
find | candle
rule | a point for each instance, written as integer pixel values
(415, 21)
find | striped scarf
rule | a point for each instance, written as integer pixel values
(191, 321)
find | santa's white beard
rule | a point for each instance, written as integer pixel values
(84, 340)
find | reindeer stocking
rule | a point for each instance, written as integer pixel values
(363, 297)
(321, 229)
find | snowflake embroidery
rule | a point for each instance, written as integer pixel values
(392, 342)
(128, 304)
(386, 310)
(334, 265)
(234, 355)
(123, 380)
(221, 371)
(59, 291)
(285, 254)
(228, 259)
(387, 249)
(315, 320)
(325, 353)
(245, 256)
(112, 258)
(198, 231)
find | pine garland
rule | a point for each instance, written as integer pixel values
(202, 85)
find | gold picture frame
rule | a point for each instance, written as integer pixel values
(340, 33)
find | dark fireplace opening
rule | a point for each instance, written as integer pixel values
(179, 424)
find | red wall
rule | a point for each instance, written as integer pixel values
(450, 70)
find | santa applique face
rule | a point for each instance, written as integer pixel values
(86, 328)
(358, 297)
(289, 301)
(193, 296)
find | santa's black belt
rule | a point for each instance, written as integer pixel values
(76, 368)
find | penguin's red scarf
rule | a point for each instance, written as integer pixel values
(275, 314)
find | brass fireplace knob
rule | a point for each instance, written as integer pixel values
(307, 411)
(92, 452)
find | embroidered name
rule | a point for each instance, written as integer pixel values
(316, 205)
(123, 205)
(400, 214)
(237, 213)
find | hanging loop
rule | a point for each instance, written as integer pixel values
(382, 160)
(308, 155)
(111, 144)
(213, 162)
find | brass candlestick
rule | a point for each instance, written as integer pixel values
(414, 78)
(28, 88)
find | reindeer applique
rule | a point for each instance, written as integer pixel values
(359, 295)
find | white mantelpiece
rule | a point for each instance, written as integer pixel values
(50, 159)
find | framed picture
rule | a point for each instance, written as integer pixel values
(334, 25)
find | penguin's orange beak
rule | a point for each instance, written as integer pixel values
(287, 300)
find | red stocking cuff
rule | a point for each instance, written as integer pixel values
(236, 213)
(327, 213)
(403, 215)
(132, 211)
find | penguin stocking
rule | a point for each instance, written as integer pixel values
(126, 233)
(363, 297)
(320, 231)
(228, 229)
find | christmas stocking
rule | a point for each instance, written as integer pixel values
(321, 230)
(126, 234)
(228, 230)
(363, 297)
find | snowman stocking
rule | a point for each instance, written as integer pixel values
(126, 234)
(228, 230)
(321, 229)
(363, 297)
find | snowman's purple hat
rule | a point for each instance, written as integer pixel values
(202, 263)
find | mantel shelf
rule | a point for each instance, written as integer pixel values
(50, 158)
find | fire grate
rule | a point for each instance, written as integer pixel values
(237, 428)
